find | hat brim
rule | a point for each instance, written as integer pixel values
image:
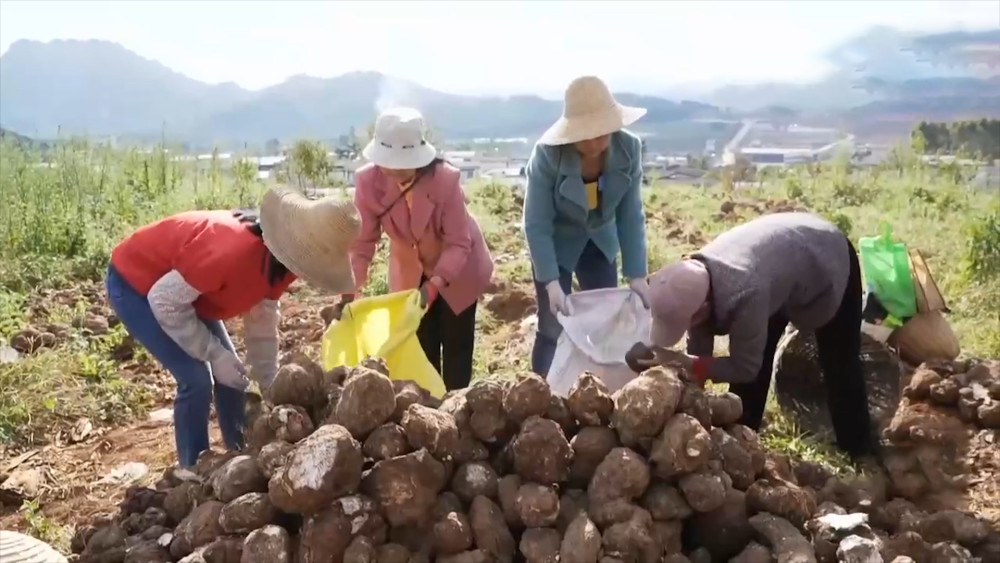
(312, 238)
(399, 159)
(568, 130)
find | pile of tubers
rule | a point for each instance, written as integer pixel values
(349, 465)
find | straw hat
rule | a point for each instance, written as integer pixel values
(311, 237)
(925, 336)
(589, 111)
(400, 142)
(19, 548)
(929, 297)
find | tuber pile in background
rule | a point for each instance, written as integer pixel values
(348, 465)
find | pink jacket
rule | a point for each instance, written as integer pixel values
(437, 238)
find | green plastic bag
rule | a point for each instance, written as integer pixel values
(886, 267)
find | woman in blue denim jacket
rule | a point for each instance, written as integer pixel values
(582, 205)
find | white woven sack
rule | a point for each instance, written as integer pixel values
(19, 548)
(605, 323)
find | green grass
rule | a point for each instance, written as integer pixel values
(59, 220)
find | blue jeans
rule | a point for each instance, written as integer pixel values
(194, 379)
(593, 271)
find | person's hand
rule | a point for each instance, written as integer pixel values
(641, 288)
(429, 291)
(667, 356)
(557, 299)
(228, 370)
(338, 309)
(640, 357)
(334, 312)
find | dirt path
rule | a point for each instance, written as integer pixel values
(73, 482)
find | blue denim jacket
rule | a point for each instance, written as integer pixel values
(557, 223)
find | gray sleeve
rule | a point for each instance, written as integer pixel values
(260, 336)
(747, 340)
(172, 301)
(700, 341)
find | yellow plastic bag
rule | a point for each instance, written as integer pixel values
(384, 326)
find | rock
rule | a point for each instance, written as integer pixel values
(683, 447)
(490, 530)
(475, 479)
(322, 467)
(581, 542)
(541, 452)
(431, 429)
(540, 545)
(367, 401)
(753, 553)
(537, 505)
(270, 544)
(785, 541)
(238, 476)
(623, 474)
(199, 528)
(529, 396)
(589, 401)
(406, 487)
(855, 549)
(643, 405)
(247, 513)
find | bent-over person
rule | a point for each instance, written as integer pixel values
(749, 283)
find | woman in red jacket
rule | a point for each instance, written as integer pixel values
(173, 282)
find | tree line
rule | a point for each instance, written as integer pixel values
(980, 137)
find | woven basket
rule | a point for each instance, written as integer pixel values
(19, 548)
(801, 393)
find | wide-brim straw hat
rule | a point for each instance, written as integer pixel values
(925, 336)
(312, 238)
(589, 111)
(19, 548)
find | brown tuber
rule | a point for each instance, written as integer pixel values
(352, 467)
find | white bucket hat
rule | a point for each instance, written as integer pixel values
(589, 111)
(399, 142)
(311, 238)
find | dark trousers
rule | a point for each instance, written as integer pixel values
(448, 341)
(593, 271)
(839, 346)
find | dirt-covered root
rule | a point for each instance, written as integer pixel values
(353, 466)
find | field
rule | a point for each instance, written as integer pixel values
(79, 406)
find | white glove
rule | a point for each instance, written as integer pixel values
(228, 370)
(557, 299)
(641, 288)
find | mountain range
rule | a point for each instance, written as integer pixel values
(100, 88)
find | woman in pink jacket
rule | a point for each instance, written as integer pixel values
(435, 244)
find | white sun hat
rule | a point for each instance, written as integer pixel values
(311, 238)
(400, 142)
(589, 111)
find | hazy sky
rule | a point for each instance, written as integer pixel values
(482, 46)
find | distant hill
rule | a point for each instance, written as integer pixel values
(885, 78)
(101, 88)
(899, 73)
(7, 135)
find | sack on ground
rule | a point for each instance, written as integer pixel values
(604, 325)
(383, 326)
